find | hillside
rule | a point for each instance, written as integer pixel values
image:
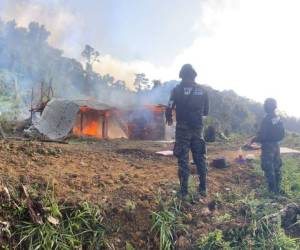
(27, 60)
(120, 194)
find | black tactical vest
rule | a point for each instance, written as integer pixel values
(189, 104)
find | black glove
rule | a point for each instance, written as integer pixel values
(169, 118)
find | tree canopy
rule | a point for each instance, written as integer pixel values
(27, 59)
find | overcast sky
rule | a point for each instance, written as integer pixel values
(250, 46)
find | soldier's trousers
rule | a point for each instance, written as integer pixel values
(190, 139)
(271, 164)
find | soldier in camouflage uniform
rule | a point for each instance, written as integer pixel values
(190, 102)
(270, 133)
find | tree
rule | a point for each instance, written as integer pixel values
(108, 79)
(37, 32)
(156, 83)
(141, 82)
(91, 55)
(120, 85)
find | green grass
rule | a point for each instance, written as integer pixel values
(213, 241)
(291, 176)
(167, 222)
(82, 227)
(256, 232)
(79, 227)
(62, 227)
(292, 140)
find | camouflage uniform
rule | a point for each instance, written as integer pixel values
(271, 165)
(190, 101)
(271, 162)
(190, 139)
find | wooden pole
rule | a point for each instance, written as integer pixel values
(105, 126)
(31, 106)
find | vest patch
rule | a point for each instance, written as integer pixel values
(187, 91)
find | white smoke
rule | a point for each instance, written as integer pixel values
(242, 45)
(65, 26)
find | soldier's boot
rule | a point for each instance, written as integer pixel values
(183, 192)
(271, 187)
(202, 185)
(271, 181)
(183, 181)
(271, 184)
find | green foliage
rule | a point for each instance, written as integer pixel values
(260, 235)
(292, 140)
(223, 218)
(234, 113)
(258, 232)
(291, 176)
(213, 241)
(269, 236)
(27, 56)
(62, 228)
(166, 223)
(29, 59)
(130, 206)
(10, 98)
(129, 246)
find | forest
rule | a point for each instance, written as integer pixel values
(92, 193)
(27, 60)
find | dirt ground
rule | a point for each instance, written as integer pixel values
(117, 174)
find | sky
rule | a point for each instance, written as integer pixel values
(252, 47)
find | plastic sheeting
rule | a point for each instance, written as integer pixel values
(59, 116)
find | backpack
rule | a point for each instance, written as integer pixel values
(276, 130)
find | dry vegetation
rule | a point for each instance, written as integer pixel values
(119, 194)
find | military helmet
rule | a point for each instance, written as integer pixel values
(270, 105)
(187, 72)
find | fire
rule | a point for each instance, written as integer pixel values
(88, 123)
(146, 122)
(90, 129)
(155, 108)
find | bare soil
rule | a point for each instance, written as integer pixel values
(119, 173)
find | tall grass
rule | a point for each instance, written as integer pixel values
(63, 227)
(258, 233)
(212, 241)
(291, 176)
(81, 228)
(167, 222)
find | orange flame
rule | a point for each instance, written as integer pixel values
(88, 123)
(90, 129)
(155, 108)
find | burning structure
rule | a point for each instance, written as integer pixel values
(88, 118)
(147, 122)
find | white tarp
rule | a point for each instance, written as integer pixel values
(59, 116)
(58, 119)
(284, 150)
